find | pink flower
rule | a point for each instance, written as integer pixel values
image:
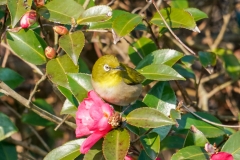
(28, 19)
(92, 118)
(221, 156)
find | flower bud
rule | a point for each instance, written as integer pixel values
(209, 148)
(39, 3)
(61, 30)
(50, 52)
(28, 19)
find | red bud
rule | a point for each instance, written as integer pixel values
(28, 19)
(39, 3)
(50, 53)
(61, 30)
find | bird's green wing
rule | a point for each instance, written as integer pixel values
(131, 76)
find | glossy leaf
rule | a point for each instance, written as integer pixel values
(175, 17)
(68, 108)
(107, 24)
(179, 4)
(68, 94)
(116, 144)
(3, 2)
(207, 58)
(80, 84)
(7, 128)
(69, 150)
(172, 142)
(232, 145)
(188, 60)
(207, 129)
(144, 46)
(95, 14)
(196, 13)
(195, 137)
(28, 45)
(160, 72)
(95, 152)
(143, 156)
(148, 118)
(151, 144)
(83, 68)
(73, 44)
(8, 151)
(10, 77)
(175, 114)
(191, 152)
(184, 71)
(34, 119)
(162, 56)
(58, 68)
(162, 97)
(17, 9)
(125, 23)
(61, 12)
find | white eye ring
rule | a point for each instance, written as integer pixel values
(106, 67)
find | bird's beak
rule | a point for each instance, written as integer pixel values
(120, 68)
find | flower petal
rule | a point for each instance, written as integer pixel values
(221, 156)
(91, 140)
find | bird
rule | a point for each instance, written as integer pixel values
(116, 83)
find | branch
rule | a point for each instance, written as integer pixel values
(218, 88)
(42, 113)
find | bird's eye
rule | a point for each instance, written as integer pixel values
(106, 67)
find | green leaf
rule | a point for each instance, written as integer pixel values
(107, 24)
(232, 145)
(7, 128)
(148, 118)
(116, 144)
(162, 131)
(81, 2)
(172, 142)
(17, 9)
(195, 137)
(207, 129)
(95, 14)
(184, 71)
(95, 153)
(80, 84)
(34, 119)
(196, 13)
(83, 68)
(161, 97)
(162, 56)
(179, 4)
(144, 46)
(175, 17)
(3, 2)
(69, 150)
(73, 44)
(160, 72)
(151, 144)
(125, 23)
(207, 58)
(58, 68)
(191, 152)
(68, 108)
(68, 94)
(188, 60)
(28, 45)
(61, 12)
(7, 151)
(143, 156)
(10, 77)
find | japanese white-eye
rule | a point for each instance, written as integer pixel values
(116, 83)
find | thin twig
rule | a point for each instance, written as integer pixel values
(218, 88)
(210, 122)
(35, 87)
(135, 140)
(42, 113)
(32, 129)
(185, 95)
(64, 119)
(86, 4)
(5, 58)
(174, 35)
(134, 48)
(30, 147)
(197, 85)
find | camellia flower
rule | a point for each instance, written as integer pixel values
(28, 19)
(221, 156)
(93, 117)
